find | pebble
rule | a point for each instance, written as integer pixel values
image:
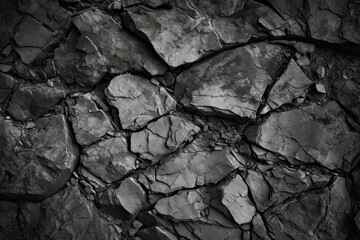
(30, 125)
(320, 88)
(137, 224)
(155, 82)
(50, 83)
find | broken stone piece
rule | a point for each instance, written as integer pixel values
(125, 201)
(236, 199)
(37, 162)
(88, 121)
(137, 100)
(311, 134)
(231, 83)
(109, 159)
(162, 137)
(156, 233)
(30, 102)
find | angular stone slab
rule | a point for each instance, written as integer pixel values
(162, 137)
(137, 100)
(190, 169)
(231, 83)
(109, 159)
(124, 202)
(88, 121)
(38, 162)
(311, 134)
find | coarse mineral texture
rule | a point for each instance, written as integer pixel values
(162, 137)
(137, 100)
(233, 82)
(109, 159)
(311, 134)
(36, 163)
(89, 122)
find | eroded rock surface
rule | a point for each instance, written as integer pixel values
(137, 100)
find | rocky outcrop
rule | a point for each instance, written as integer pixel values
(179, 120)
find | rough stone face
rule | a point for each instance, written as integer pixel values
(156, 233)
(235, 198)
(190, 30)
(9, 226)
(313, 215)
(272, 185)
(231, 83)
(66, 215)
(290, 86)
(311, 134)
(191, 168)
(7, 84)
(30, 102)
(125, 201)
(186, 205)
(137, 100)
(99, 46)
(88, 121)
(10, 17)
(37, 162)
(162, 137)
(109, 159)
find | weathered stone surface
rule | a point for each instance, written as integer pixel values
(88, 121)
(99, 46)
(231, 83)
(185, 205)
(272, 185)
(30, 102)
(190, 30)
(36, 163)
(311, 134)
(313, 215)
(109, 159)
(191, 168)
(125, 201)
(236, 199)
(162, 137)
(137, 100)
(66, 215)
(290, 86)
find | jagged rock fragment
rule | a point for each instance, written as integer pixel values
(137, 100)
(10, 17)
(7, 84)
(236, 199)
(185, 205)
(100, 46)
(162, 137)
(292, 84)
(88, 121)
(191, 168)
(37, 162)
(9, 225)
(109, 159)
(30, 102)
(231, 83)
(311, 134)
(190, 30)
(124, 202)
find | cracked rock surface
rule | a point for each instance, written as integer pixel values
(179, 120)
